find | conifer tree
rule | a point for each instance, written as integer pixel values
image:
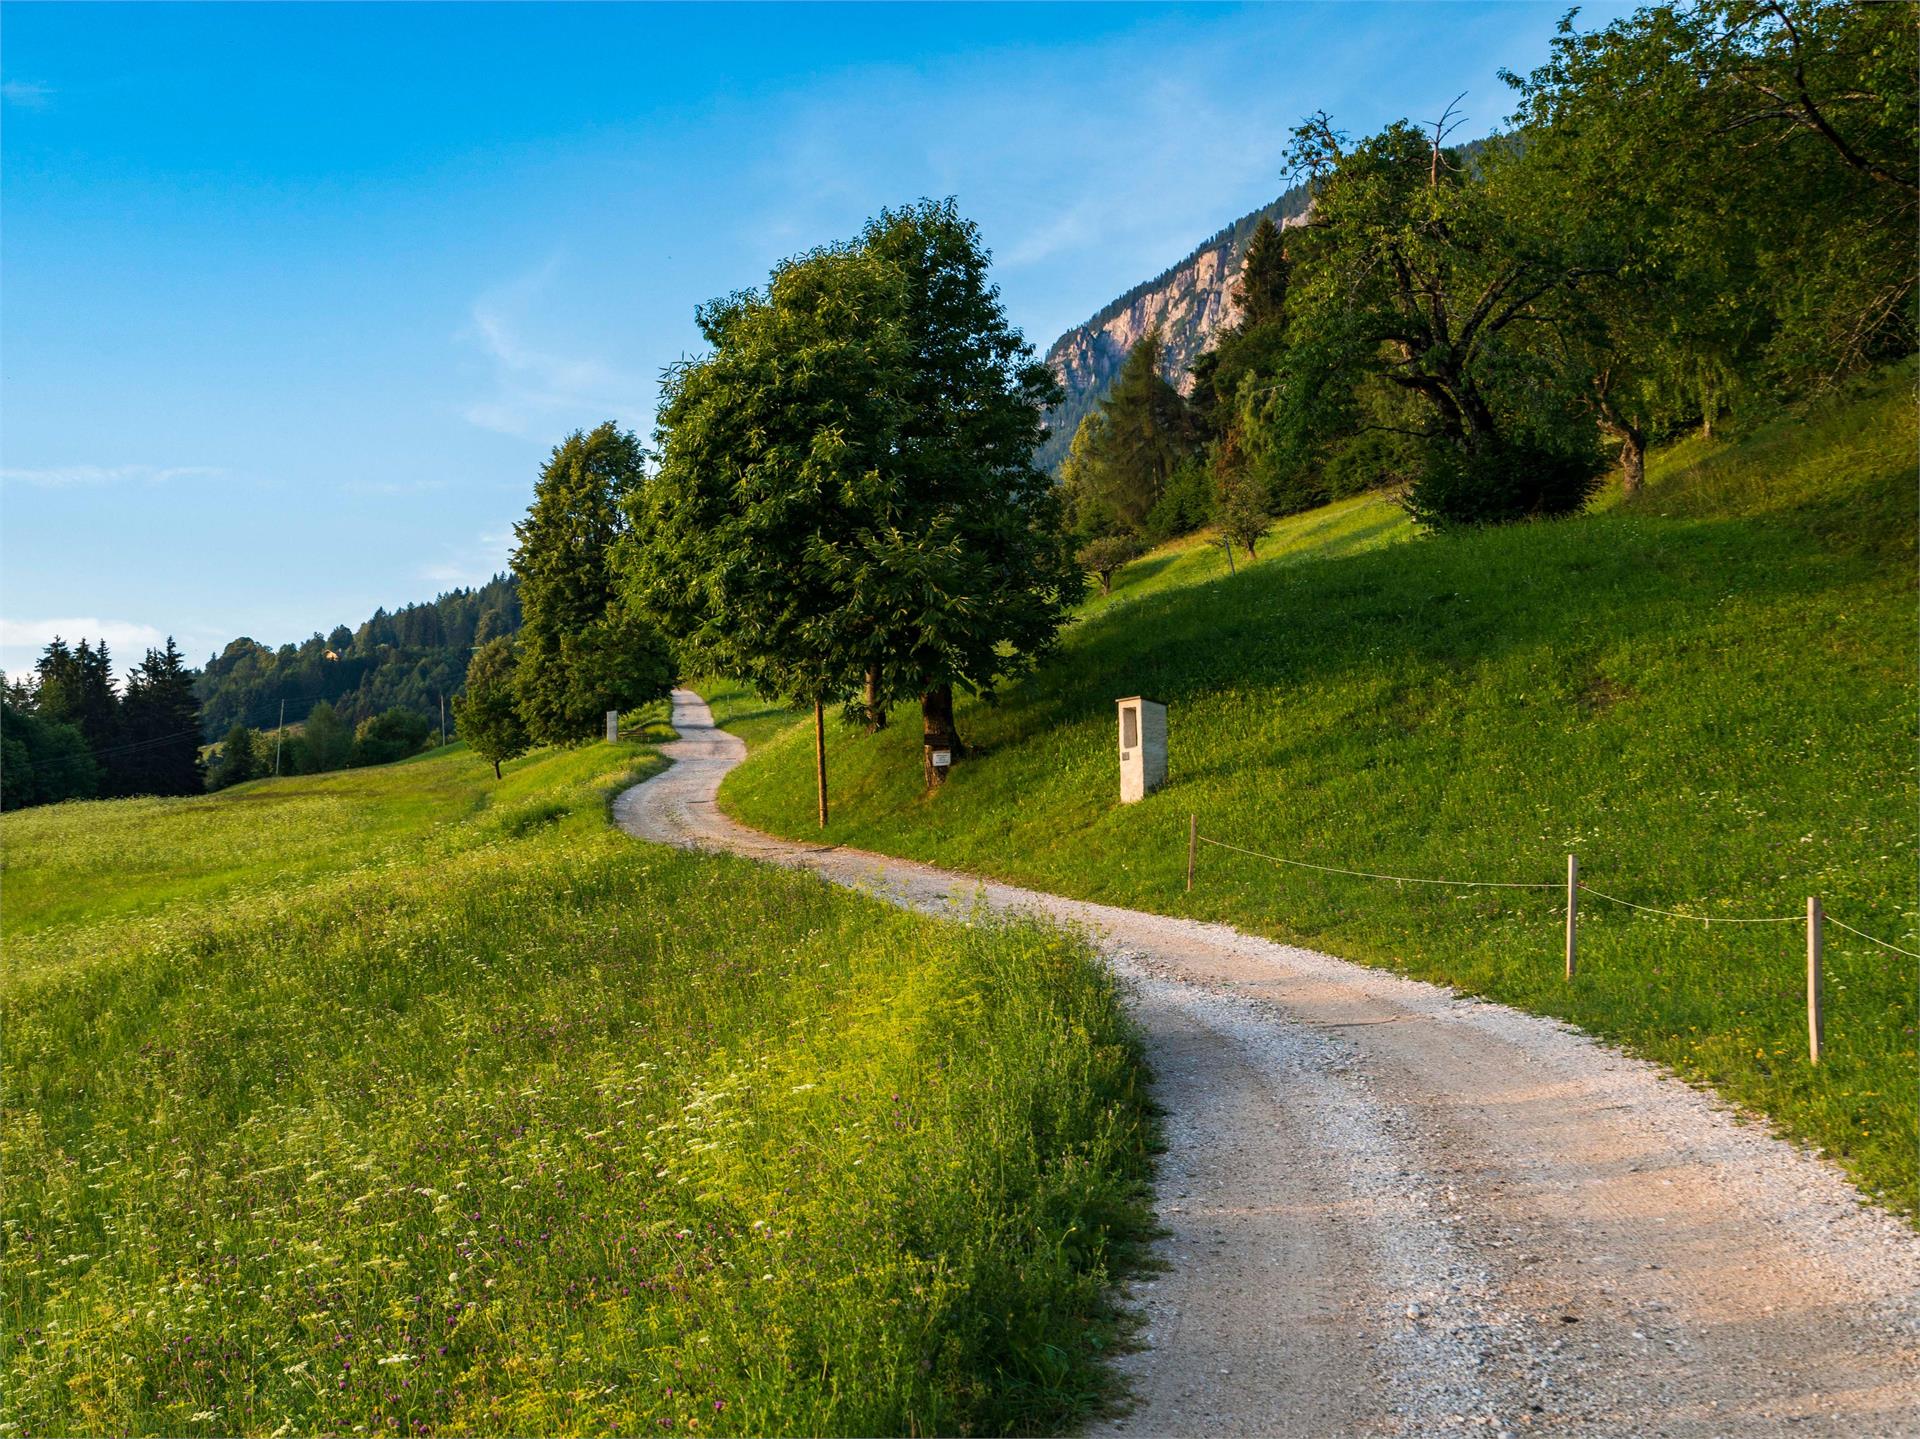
(329, 740)
(239, 758)
(583, 652)
(1261, 292)
(160, 727)
(1142, 434)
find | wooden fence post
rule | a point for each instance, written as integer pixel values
(1816, 1020)
(1193, 843)
(820, 756)
(1573, 909)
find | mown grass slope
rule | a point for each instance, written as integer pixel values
(1707, 694)
(516, 1125)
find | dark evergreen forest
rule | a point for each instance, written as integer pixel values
(406, 659)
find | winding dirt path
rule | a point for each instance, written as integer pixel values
(1392, 1210)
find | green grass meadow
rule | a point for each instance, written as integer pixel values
(399, 1102)
(1708, 694)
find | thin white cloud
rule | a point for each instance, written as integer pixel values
(25, 639)
(473, 564)
(27, 94)
(536, 390)
(62, 476)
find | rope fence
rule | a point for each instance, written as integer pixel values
(1815, 919)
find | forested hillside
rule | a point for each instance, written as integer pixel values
(404, 659)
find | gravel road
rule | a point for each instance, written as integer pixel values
(1394, 1210)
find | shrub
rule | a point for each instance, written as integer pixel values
(1103, 558)
(1515, 480)
(1184, 506)
(390, 736)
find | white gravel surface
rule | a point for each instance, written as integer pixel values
(1390, 1209)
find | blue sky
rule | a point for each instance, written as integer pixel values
(297, 299)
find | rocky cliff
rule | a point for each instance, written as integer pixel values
(1189, 303)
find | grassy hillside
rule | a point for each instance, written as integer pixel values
(1708, 694)
(399, 1102)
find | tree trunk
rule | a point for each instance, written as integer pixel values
(496, 769)
(820, 755)
(1633, 445)
(938, 735)
(876, 712)
(1633, 461)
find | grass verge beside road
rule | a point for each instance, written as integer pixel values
(507, 1123)
(1707, 694)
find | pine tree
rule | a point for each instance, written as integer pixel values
(329, 740)
(239, 757)
(160, 727)
(582, 651)
(1261, 292)
(1142, 434)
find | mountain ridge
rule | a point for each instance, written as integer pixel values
(1190, 301)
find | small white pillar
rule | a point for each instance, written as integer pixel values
(613, 726)
(1143, 748)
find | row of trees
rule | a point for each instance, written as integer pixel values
(322, 743)
(843, 509)
(75, 733)
(1694, 208)
(583, 649)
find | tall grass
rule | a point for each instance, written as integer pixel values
(524, 1127)
(1708, 694)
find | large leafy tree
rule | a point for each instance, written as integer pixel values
(754, 541)
(485, 711)
(583, 652)
(1766, 230)
(972, 573)
(1415, 274)
(846, 502)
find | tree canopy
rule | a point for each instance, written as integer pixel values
(583, 652)
(846, 501)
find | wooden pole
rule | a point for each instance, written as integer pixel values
(1573, 910)
(1816, 1020)
(820, 755)
(1193, 843)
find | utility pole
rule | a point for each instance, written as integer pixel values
(279, 735)
(443, 719)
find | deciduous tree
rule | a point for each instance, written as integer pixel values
(582, 652)
(485, 711)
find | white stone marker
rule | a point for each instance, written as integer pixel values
(1143, 748)
(613, 725)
